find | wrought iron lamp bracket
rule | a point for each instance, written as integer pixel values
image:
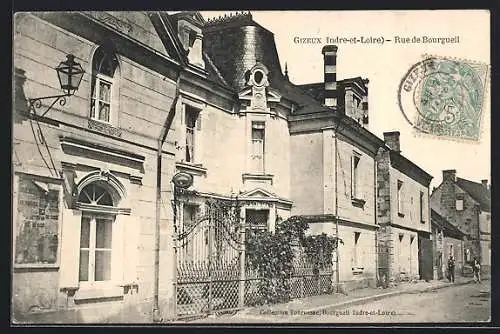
(36, 103)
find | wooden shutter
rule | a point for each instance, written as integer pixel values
(70, 248)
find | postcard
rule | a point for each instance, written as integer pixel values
(197, 167)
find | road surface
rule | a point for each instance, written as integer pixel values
(463, 303)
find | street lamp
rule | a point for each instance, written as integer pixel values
(70, 75)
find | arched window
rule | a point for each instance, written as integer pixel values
(96, 235)
(104, 65)
(96, 195)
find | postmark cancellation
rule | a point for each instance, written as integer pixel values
(445, 97)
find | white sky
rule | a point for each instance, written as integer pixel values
(385, 65)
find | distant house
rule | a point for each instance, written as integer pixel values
(446, 240)
(403, 239)
(467, 205)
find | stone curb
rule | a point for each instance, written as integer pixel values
(381, 296)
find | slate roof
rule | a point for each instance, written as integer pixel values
(448, 228)
(229, 65)
(213, 73)
(477, 191)
(317, 91)
(307, 103)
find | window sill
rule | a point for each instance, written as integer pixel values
(36, 265)
(401, 214)
(191, 168)
(98, 292)
(358, 202)
(104, 127)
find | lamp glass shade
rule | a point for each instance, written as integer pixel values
(70, 74)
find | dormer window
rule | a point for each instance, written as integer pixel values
(356, 101)
(258, 76)
(192, 38)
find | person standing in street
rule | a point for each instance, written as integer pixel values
(476, 268)
(451, 269)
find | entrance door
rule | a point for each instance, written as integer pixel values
(425, 258)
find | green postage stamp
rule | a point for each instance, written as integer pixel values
(445, 97)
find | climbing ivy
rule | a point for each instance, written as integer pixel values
(272, 256)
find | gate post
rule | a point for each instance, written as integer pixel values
(174, 266)
(210, 244)
(241, 292)
(175, 235)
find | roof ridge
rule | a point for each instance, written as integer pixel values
(238, 16)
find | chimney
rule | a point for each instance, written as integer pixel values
(330, 71)
(365, 103)
(484, 183)
(392, 140)
(450, 174)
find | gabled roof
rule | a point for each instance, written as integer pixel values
(477, 191)
(409, 168)
(449, 229)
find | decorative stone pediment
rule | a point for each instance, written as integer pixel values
(258, 193)
(257, 95)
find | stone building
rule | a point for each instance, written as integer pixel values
(467, 205)
(404, 245)
(446, 240)
(333, 170)
(86, 172)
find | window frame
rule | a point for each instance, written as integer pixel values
(196, 112)
(15, 215)
(258, 126)
(459, 200)
(400, 198)
(356, 254)
(422, 211)
(95, 100)
(355, 160)
(93, 249)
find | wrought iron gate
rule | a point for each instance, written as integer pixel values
(209, 258)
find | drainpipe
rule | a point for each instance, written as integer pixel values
(337, 271)
(161, 140)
